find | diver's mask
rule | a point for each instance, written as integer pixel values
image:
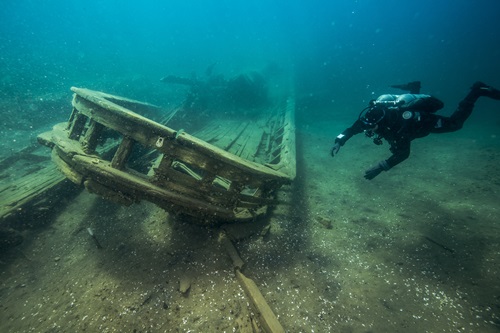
(370, 117)
(372, 114)
(375, 112)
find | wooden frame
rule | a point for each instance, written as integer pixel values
(189, 176)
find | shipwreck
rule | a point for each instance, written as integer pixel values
(227, 170)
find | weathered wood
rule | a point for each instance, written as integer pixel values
(191, 177)
(147, 133)
(77, 126)
(107, 193)
(18, 193)
(265, 315)
(231, 251)
(129, 183)
(286, 162)
(66, 168)
(123, 153)
(91, 137)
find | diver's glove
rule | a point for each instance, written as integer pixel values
(335, 149)
(376, 170)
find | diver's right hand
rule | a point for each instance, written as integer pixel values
(335, 149)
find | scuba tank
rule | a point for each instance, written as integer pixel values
(414, 102)
(386, 99)
(419, 102)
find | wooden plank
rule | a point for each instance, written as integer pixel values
(238, 263)
(286, 162)
(265, 314)
(225, 135)
(17, 193)
(132, 184)
(250, 142)
(242, 139)
(219, 133)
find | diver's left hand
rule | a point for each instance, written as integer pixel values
(376, 170)
(335, 149)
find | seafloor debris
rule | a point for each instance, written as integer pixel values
(185, 283)
(265, 315)
(323, 221)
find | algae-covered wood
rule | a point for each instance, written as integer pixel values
(184, 174)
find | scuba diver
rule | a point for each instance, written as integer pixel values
(401, 118)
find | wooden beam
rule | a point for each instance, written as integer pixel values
(92, 136)
(122, 154)
(266, 316)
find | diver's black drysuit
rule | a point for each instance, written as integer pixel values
(402, 122)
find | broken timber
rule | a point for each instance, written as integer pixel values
(188, 176)
(265, 314)
(29, 187)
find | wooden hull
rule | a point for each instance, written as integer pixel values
(228, 170)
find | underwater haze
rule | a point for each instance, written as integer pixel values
(416, 249)
(336, 49)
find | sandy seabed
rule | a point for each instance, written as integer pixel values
(415, 250)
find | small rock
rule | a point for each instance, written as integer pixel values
(56, 259)
(325, 222)
(184, 284)
(265, 231)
